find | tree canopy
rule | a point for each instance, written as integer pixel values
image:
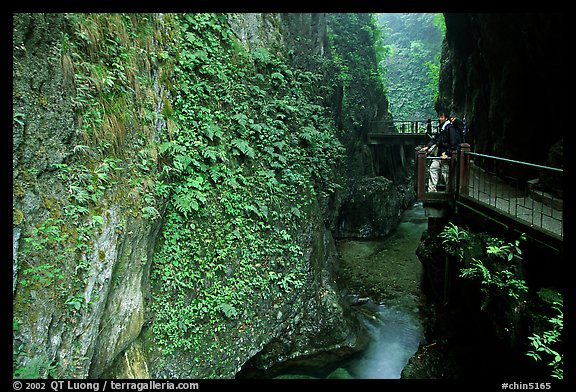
(411, 63)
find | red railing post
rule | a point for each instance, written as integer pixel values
(420, 166)
(464, 169)
(451, 187)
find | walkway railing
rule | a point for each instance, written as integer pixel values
(409, 126)
(519, 189)
(522, 196)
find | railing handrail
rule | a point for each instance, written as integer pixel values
(514, 161)
(536, 211)
(529, 206)
(393, 121)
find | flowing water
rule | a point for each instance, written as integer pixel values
(383, 277)
(395, 337)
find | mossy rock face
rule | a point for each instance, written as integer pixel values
(340, 373)
(42, 101)
(550, 296)
(107, 276)
(78, 282)
(294, 377)
(131, 364)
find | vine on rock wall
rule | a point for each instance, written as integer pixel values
(107, 67)
(250, 149)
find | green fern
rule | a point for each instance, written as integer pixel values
(454, 239)
(545, 344)
(185, 203)
(229, 310)
(477, 270)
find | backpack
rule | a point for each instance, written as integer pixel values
(461, 126)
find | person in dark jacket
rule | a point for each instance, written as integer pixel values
(444, 142)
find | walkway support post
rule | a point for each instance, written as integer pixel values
(451, 183)
(464, 169)
(416, 149)
(420, 161)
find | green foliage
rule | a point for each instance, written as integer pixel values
(248, 145)
(498, 274)
(496, 271)
(229, 310)
(440, 24)
(17, 119)
(454, 240)
(411, 64)
(477, 270)
(48, 236)
(501, 255)
(97, 220)
(547, 343)
(382, 50)
(433, 72)
(508, 251)
(37, 367)
(355, 61)
(253, 146)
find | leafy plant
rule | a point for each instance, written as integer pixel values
(496, 272)
(75, 301)
(37, 367)
(477, 270)
(454, 239)
(546, 344)
(229, 310)
(507, 251)
(17, 118)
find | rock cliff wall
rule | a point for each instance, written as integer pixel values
(96, 110)
(81, 242)
(503, 71)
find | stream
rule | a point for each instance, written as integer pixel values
(382, 279)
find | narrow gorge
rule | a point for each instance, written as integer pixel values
(190, 191)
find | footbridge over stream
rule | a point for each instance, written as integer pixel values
(402, 132)
(392, 143)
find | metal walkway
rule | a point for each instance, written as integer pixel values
(402, 132)
(519, 203)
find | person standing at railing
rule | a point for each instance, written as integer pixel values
(444, 142)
